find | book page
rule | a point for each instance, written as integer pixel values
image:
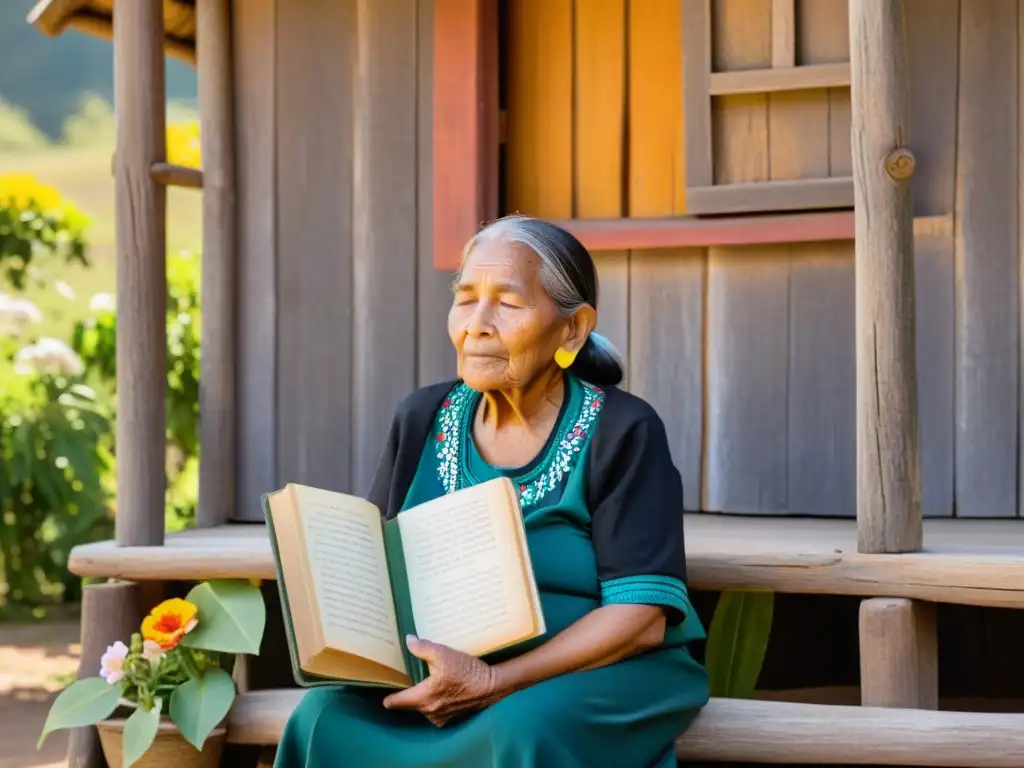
(345, 547)
(467, 582)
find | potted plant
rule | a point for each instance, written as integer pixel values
(162, 698)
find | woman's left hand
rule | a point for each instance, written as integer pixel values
(457, 683)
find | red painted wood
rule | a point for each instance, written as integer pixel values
(465, 123)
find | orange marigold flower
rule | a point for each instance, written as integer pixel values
(169, 622)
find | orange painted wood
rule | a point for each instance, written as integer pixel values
(540, 108)
(465, 123)
(693, 232)
(600, 129)
(657, 185)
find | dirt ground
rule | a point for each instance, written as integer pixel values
(33, 660)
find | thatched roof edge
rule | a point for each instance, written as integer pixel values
(95, 17)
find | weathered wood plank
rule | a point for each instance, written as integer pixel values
(171, 175)
(384, 226)
(314, 277)
(888, 462)
(697, 133)
(540, 106)
(217, 401)
(435, 354)
(666, 343)
(599, 142)
(760, 196)
(747, 359)
(822, 373)
(255, 56)
(141, 213)
(933, 54)
(987, 305)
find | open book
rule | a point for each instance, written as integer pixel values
(455, 571)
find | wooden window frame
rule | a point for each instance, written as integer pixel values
(702, 85)
(466, 144)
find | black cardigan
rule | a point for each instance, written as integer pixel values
(634, 491)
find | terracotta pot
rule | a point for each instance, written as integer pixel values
(169, 749)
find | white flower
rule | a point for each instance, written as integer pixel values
(152, 652)
(48, 356)
(112, 663)
(64, 290)
(102, 302)
(17, 313)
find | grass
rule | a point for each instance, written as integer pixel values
(84, 176)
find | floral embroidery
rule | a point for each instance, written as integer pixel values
(453, 428)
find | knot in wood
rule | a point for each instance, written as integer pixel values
(899, 164)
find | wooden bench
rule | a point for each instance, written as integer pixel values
(969, 562)
(770, 732)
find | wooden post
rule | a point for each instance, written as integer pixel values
(898, 654)
(888, 466)
(141, 213)
(110, 612)
(217, 368)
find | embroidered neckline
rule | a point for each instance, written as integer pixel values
(453, 429)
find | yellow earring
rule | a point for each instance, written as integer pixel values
(564, 358)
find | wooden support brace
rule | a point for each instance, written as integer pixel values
(898, 654)
(888, 462)
(110, 612)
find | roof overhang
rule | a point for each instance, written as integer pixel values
(95, 17)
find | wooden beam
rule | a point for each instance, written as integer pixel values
(141, 219)
(170, 175)
(760, 196)
(466, 123)
(779, 79)
(744, 731)
(217, 455)
(899, 658)
(888, 462)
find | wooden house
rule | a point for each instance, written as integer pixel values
(835, 357)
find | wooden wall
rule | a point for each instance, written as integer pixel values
(747, 352)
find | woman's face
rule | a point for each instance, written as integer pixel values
(503, 324)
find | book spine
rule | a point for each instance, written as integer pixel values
(399, 576)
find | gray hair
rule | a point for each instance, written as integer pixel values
(569, 278)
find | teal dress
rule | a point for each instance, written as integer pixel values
(593, 541)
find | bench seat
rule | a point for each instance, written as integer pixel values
(968, 562)
(734, 730)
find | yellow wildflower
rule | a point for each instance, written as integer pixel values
(169, 622)
(20, 190)
(183, 146)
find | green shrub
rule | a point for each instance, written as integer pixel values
(94, 339)
(54, 453)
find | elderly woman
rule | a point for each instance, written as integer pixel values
(612, 682)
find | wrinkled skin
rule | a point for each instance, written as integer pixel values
(457, 683)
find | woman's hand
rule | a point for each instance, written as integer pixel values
(457, 683)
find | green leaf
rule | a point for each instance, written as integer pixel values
(232, 617)
(737, 642)
(84, 702)
(139, 732)
(198, 706)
